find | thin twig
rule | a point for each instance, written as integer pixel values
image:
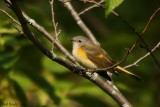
(57, 33)
(150, 19)
(93, 2)
(14, 20)
(139, 38)
(143, 57)
(53, 20)
(144, 30)
(90, 7)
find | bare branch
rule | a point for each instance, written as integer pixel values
(93, 2)
(53, 20)
(143, 57)
(141, 39)
(89, 8)
(150, 19)
(14, 20)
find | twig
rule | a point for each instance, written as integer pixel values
(140, 38)
(144, 30)
(81, 24)
(134, 45)
(57, 33)
(14, 20)
(93, 2)
(91, 7)
(150, 19)
(53, 20)
(143, 57)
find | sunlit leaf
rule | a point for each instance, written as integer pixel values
(111, 5)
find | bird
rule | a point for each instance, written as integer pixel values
(92, 56)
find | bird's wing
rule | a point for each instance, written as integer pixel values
(98, 56)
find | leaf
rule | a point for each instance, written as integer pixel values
(111, 5)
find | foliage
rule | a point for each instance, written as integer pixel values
(111, 5)
(30, 79)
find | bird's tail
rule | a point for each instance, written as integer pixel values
(128, 73)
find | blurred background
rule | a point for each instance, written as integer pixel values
(30, 79)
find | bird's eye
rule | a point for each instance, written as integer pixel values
(79, 41)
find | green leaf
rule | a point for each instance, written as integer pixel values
(111, 5)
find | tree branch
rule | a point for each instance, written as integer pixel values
(89, 8)
(139, 38)
(143, 57)
(150, 19)
(53, 20)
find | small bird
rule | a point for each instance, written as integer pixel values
(92, 56)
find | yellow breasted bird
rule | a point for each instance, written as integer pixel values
(92, 56)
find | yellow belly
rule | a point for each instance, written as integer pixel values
(82, 58)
